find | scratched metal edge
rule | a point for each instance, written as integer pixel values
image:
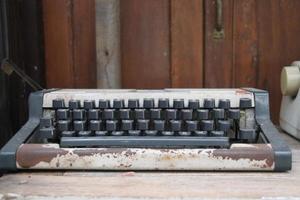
(258, 157)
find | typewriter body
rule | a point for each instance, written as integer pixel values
(170, 129)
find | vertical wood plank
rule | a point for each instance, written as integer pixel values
(279, 45)
(145, 34)
(187, 43)
(108, 43)
(218, 61)
(245, 43)
(69, 28)
(58, 43)
(84, 43)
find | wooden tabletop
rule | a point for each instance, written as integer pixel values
(158, 185)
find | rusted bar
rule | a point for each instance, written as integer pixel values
(258, 157)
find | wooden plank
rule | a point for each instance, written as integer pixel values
(58, 41)
(145, 50)
(279, 45)
(166, 185)
(108, 43)
(84, 43)
(245, 43)
(187, 43)
(218, 59)
(69, 28)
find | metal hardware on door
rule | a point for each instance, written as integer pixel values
(219, 29)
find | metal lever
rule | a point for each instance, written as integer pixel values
(9, 67)
(219, 29)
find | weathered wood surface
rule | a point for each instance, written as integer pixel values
(108, 43)
(162, 185)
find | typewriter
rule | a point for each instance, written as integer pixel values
(169, 129)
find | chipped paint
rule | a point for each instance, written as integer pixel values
(240, 157)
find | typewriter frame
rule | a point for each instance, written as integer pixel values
(273, 155)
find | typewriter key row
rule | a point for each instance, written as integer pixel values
(149, 103)
(166, 114)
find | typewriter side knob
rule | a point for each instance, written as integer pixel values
(290, 80)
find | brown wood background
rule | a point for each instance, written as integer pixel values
(70, 50)
(169, 43)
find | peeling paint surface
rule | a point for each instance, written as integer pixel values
(239, 157)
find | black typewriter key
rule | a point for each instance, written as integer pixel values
(186, 114)
(155, 114)
(167, 133)
(95, 125)
(245, 103)
(104, 104)
(88, 104)
(78, 114)
(84, 133)
(209, 103)
(247, 134)
(108, 114)
(118, 103)
(48, 132)
(93, 114)
(63, 125)
(111, 125)
(178, 103)
(117, 133)
(68, 134)
(74, 104)
(133, 103)
(218, 113)
(200, 133)
(184, 133)
(234, 113)
(207, 125)
(148, 103)
(139, 113)
(224, 103)
(46, 122)
(202, 114)
(63, 114)
(159, 125)
(193, 104)
(163, 103)
(58, 103)
(142, 124)
(134, 132)
(217, 133)
(150, 132)
(171, 114)
(124, 113)
(101, 133)
(191, 125)
(223, 125)
(175, 125)
(127, 125)
(79, 125)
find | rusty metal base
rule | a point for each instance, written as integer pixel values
(258, 157)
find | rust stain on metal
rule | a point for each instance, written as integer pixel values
(30, 155)
(239, 157)
(255, 152)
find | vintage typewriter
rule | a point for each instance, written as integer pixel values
(170, 129)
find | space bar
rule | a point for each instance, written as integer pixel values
(145, 141)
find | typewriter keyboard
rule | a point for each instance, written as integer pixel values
(149, 122)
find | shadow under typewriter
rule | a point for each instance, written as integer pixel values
(171, 129)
